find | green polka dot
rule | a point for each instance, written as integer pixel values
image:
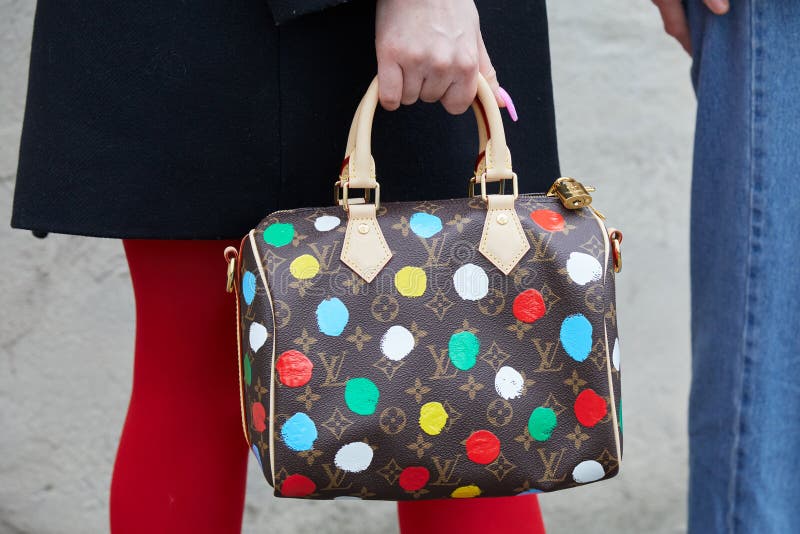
(361, 395)
(463, 349)
(542, 423)
(279, 234)
(248, 370)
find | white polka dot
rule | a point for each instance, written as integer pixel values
(258, 336)
(615, 354)
(471, 282)
(583, 268)
(353, 457)
(508, 383)
(397, 342)
(588, 471)
(325, 223)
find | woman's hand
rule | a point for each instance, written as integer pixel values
(431, 50)
(674, 18)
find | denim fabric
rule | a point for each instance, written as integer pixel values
(744, 406)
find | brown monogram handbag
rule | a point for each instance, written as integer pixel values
(434, 349)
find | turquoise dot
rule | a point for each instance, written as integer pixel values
(425, 225)
(619, 415)
(279, 234)
(332, 316)
(463, 349)
(299, 432)
(254, 448)
(576, 336)
(249, 287)
(361, 395)
(529, 492)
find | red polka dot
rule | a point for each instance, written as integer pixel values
(414, 478)
(548, 219)
(297, 486)
(483, 447)
(294, 368)
(529, 306)
(259, 416)
(590, 407)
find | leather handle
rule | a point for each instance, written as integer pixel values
(361, 164)
(477, 108)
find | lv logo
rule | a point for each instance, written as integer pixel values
(551, 462)
(540, 242)
(547, 354)
(443, 369)
(444, 471)
(335, 478)
(434, 247)
(333, 368)
(326, 255)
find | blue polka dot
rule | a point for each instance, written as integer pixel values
(299, 432)
(576, 336)
(249, 287)
(425, 224)
(529, 492)
(332, 316)
(258, 455)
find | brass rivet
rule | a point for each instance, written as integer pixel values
(363, 228)
(502, 218)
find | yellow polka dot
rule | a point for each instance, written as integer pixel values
(465, 492)
(432, 417)
(410, 281)
(304, 267)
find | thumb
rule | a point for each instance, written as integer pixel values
(485, 67)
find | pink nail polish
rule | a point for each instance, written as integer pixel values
(512, 111)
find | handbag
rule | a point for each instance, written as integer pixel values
(433, 349)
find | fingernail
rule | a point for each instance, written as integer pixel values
(720, 6)
(512, 111)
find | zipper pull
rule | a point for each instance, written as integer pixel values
(573, 194)
(230, 257)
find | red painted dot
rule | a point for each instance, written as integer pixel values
(294, 368)
(414, 478)
(548, 219)
(529, 306)
(483, 447)
(590, 407)
(259, 416)
(297, 486)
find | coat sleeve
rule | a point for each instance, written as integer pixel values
(286, 10)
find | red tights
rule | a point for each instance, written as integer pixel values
(182, 459)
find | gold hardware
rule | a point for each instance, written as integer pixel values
(573, 194)
(482, 178)
(230, 256)
(363, 228)
(615, 236)
(343, 188)
(502, 218)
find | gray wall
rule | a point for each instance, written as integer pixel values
(625, 113)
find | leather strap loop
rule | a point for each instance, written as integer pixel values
(361, 171)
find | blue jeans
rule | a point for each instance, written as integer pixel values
(744, 407)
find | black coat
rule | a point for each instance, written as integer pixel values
(190, 120)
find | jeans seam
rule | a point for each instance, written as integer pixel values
(755, 221)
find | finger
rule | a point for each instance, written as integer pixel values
(718, 7)
(487, 69)
(674, 18)
(459, 96)
(390, 84)
(433, 88)
(412, 83)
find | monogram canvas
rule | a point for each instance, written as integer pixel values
(441, 378)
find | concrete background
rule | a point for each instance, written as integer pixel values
(625, 116)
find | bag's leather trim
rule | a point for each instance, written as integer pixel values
(364, 250)
(607, 247)
(236, 288)
(503, 241)
(263, 275)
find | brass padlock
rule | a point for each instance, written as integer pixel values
(573, 194)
